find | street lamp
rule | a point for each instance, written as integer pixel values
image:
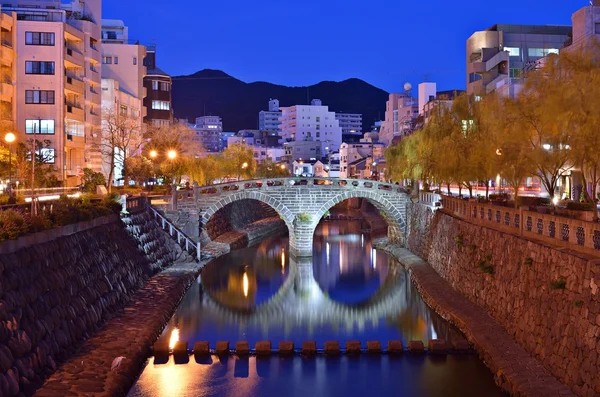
(10, 138)
(153, 154)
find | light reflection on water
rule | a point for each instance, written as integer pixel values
(348, 291)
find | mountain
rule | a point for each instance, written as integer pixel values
(213, 92)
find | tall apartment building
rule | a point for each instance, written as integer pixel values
(497, 56)
(7, 72)
(268, 120)
(123, 72)
(158, 101)
(57, 91)
(312, 122)
(401, 110)
(208, 132)
(350, 123)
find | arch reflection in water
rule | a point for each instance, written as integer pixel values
(368, 297)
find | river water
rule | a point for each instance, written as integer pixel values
(348, 291)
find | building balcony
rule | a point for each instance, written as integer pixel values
(74, 111)
(75, 85)
(7, 92)
(93, 96)
(6, 21)
(73, 57)
(483, 67)
(495, 84)
(6, 56)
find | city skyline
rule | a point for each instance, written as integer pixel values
(371, 49)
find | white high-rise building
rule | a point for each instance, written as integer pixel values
(123, 73)
(58, 80)
(350, 123)
(311, 123)
(269, 120)
(208, 131)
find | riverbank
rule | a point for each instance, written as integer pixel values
(131, 333)
(514, 369)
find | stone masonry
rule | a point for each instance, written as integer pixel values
(546, 298)
(301, 203)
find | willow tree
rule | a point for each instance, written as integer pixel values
(580, 93)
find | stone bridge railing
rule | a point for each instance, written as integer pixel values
(574, 234)
(197, 192)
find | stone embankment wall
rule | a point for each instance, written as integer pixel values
(546, 298)
(55, 294)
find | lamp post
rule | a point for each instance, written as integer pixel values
(153, 154)
(172, 154)
(10, 138)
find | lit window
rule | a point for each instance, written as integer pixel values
(542, 52)
(513, 51)
(107, 60)
(39, 126)
(161, 105)
(154, 85)
(123, 110)
(47, 155)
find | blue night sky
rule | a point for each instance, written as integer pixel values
(383, 42)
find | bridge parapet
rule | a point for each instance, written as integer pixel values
(300, 202)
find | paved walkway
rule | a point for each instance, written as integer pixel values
(130, 334)
(514, 369)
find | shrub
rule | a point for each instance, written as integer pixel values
(92, 179)
(5, 199)
(575, 206)
(459, 239)
(12, 225)
(38, 223)
(533, 201)
(558, 284)
(303, 217)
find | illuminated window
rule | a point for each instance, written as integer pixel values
(40, 126)
(107, 60)
(513, 51)
(514, 73)
(123, 110)
(74, 127)
(47, 155)
(161, 105)
(542, 52)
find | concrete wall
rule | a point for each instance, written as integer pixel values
(58, 287)
(558, 326)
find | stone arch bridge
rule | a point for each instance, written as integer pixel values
(300, 202)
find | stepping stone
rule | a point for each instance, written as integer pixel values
(242, 348)
(416, 347)
(373, 346)
(332, 348)
(286, 348)
(263, 348)
(437, 346)
(201, 348)
(395, 347)
(222, 348)
(309, 347)
(352, 347)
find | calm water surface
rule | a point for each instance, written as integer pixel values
(348, 291)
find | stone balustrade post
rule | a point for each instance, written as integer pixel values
(174, 197)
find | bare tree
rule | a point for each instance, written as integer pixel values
(122, 137)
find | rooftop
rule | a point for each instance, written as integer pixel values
(532, 29)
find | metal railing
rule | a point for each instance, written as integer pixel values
(577, 235)
(182, 239)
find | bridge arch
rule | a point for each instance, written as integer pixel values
(391, 212)
(283, 211)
